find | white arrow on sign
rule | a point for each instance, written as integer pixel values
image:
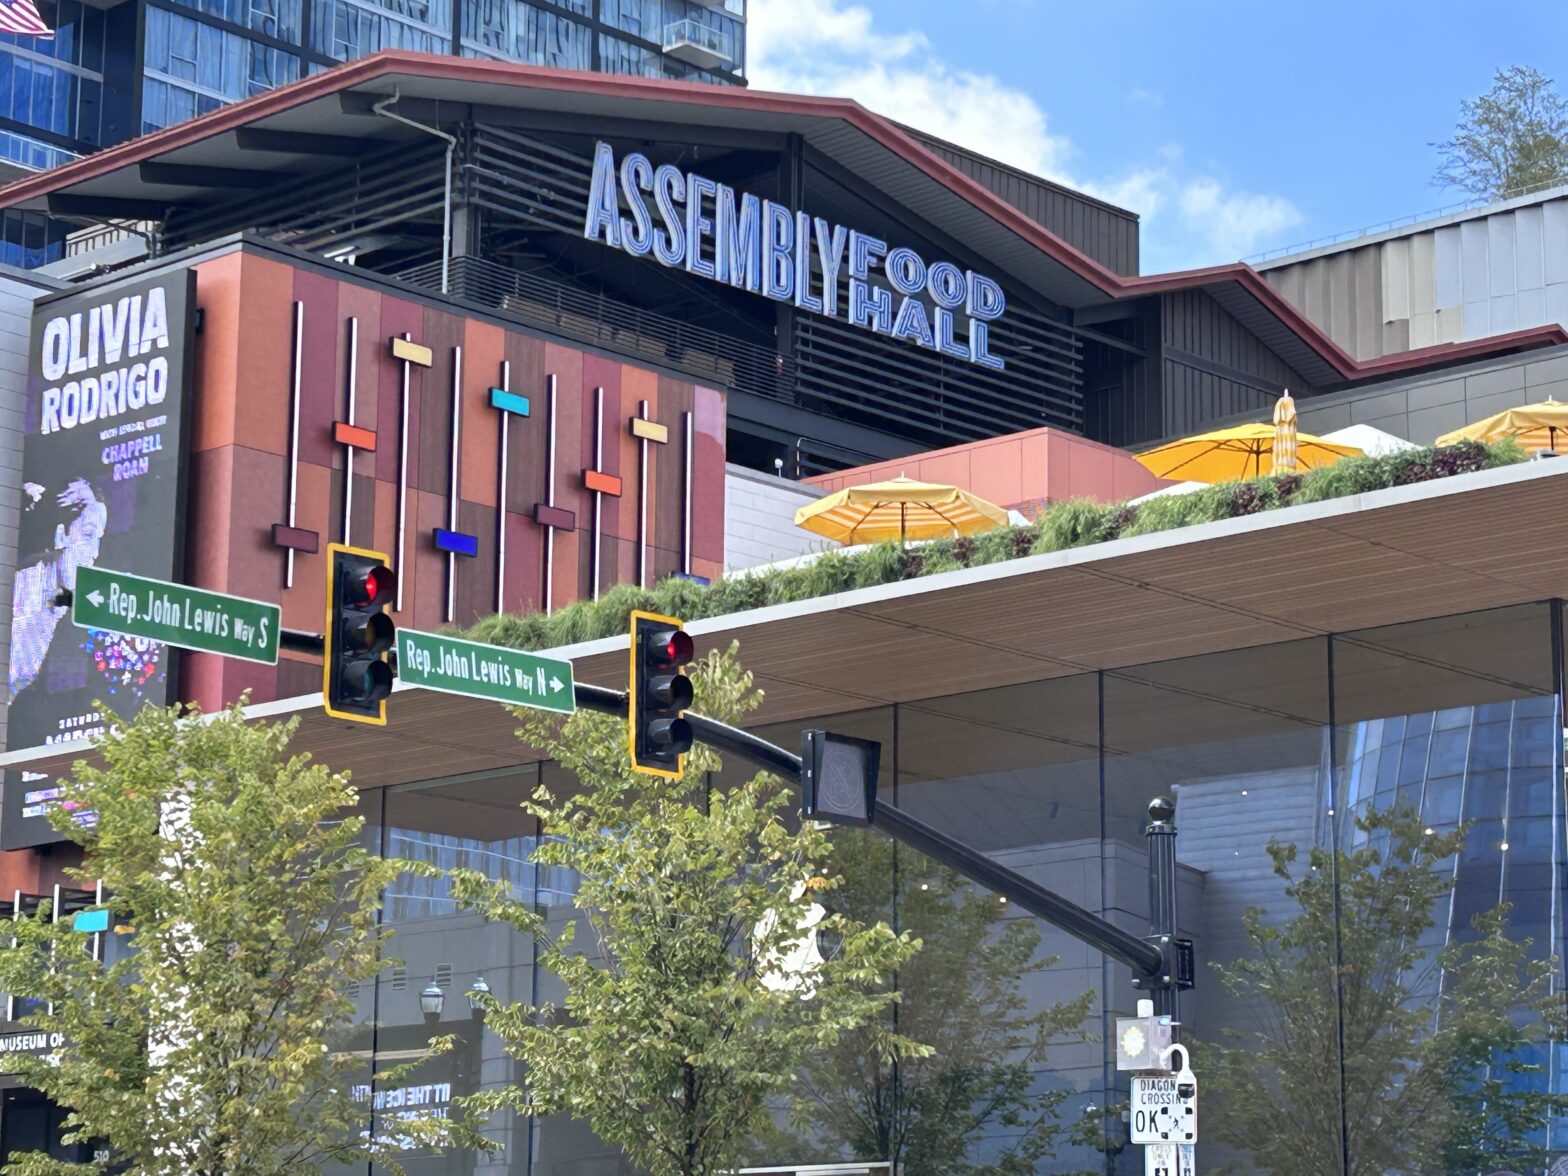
(95, 597)
(556, 684)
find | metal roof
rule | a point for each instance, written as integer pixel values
(288, 134)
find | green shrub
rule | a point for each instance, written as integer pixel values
(1176, 510)
(881, 563)
(1074, 523)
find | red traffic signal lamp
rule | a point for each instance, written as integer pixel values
(659, 691)
(356, 677)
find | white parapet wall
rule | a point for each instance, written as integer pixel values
(759, 519)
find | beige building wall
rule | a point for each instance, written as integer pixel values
(1482, 272)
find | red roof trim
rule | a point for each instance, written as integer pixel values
(884, 131)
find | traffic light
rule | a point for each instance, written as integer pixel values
(659, 737)
(356, 678)
(838, 778)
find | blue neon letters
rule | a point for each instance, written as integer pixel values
(709, 229)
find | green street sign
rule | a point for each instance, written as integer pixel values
(484, 671)
(176, 614)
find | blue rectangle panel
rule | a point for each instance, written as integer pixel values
(89, 921)
(508, 401)
(457, 542)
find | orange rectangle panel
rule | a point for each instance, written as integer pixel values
(603, 483)
(346, 434)
(650, 430)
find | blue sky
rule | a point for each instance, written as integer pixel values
(1232, 128)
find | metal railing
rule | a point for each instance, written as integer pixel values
(1413, 218)
(695, 33)
(707, 355)
(87, 240)
(33, 154)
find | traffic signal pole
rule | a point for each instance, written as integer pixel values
(1153, 964)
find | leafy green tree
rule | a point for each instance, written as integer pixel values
(215, 1045)
(1432, 1038)
(680, 1021)
(961, 998)
(1509, 140)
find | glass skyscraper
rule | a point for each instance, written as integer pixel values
(111, 73)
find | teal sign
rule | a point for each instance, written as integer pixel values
(504, 675)
(174, 614)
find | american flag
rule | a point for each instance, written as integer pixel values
(21, 16)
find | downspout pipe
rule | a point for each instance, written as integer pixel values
(446, 200)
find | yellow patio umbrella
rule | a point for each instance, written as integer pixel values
(1534, 426)
(1244, 451)
(1284, 435)
(900, 509)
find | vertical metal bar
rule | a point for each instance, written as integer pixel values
(686, 530)
(598, 497)
(500, 497)
(98, 936)
(1160, 833)
(642, 504)
(452, 493)
(16, 913)
(402, 483)
(549, 500)
(299, 340)
(54, 917)
(348, 459)
(1339, 947)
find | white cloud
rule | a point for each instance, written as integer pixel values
(837, 48)
(1138, 96)
(833, 48)
(1235, 223)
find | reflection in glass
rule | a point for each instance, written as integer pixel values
(974, 1103)
(1416, 1052)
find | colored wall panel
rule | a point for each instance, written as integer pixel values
(218, 292)
(397, 318)
(484, 348)
(240, 465)
(322, 367)
(266, 353)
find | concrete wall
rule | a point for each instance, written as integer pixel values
(759, 518)
(1021, 471)
(16, 309)
(1483, 272)
(1424, 406)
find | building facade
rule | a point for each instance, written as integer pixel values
(544, 377)
(115, 71)
(1483, 271)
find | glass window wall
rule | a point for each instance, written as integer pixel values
(275, 18)
(346, 29)
(192, 68)
(508, 30)
(1371, 864)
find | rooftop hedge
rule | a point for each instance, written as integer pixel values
(1074, 523)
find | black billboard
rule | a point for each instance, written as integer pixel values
(103, 457)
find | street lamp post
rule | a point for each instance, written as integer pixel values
(431, 1001)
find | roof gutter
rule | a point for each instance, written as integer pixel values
(446, 195)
